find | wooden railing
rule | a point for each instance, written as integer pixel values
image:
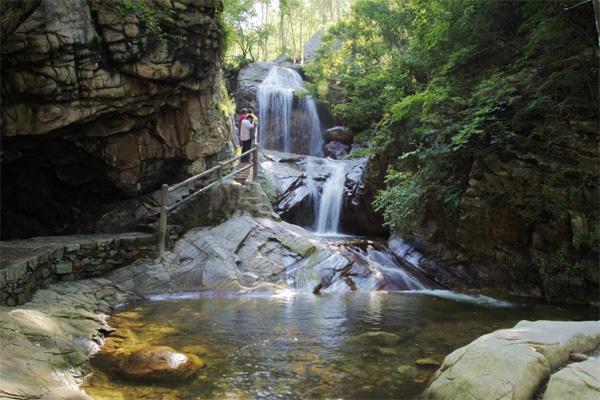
(218, 169)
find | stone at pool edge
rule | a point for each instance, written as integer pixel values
(65, 394)
(159, 363)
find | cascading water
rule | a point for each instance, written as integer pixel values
(331, 201)
(289, 122)
(281, 127)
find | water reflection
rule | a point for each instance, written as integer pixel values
(297, 345)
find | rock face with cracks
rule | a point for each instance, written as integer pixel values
(104, 100)
(511, 363)
(261, 254)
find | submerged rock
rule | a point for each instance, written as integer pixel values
(159, 363)
(511, 363)
(380, 338)
(407, 371)
(427, 363)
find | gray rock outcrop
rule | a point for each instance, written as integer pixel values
(252, 75)
(46, 344)
(579, 381)
(511, 363)
(249, 254)
(312, 45)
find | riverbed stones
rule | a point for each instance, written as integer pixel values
(580, 380)
(159, 363)
(511, 363)
(427, 363)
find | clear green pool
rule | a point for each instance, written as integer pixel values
(351, 346)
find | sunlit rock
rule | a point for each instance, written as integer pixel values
(579, 381)
(159, 363)
(511, 363)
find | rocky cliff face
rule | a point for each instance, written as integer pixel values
(527, 220)
(105, 100)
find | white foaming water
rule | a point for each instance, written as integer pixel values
(275, 102)
(331, 201)
(477, 299)
(393, 276)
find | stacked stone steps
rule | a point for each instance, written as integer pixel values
(258, 206)
(243, 177)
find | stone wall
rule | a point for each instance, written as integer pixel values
(105, 100)
(28, 265)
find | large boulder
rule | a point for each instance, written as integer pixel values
(160, 364)
(511, 363)
(579, 381)
(101, 102)
(312, 46)
(339, 134)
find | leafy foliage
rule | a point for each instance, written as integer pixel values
(445, 82)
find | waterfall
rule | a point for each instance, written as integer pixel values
(280, 126)
(331, 201)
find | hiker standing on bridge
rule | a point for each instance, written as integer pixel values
(246, 127)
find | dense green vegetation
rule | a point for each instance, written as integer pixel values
(440, 83)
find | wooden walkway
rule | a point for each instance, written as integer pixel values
(195, 185)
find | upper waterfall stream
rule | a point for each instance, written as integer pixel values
(288, 118)
(296, 128)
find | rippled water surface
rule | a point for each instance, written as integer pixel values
(358, 345)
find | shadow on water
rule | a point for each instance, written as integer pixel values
(298, 345)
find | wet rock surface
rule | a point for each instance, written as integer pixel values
(246, 253)
(512, 363)
(251, 75)
(298, 182)
(336, 150)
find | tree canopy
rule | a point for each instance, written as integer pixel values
(439, 83)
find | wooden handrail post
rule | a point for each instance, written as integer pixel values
(220, 171)
(162, 222)
(255, 163)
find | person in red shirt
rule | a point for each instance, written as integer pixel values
(242, 117)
